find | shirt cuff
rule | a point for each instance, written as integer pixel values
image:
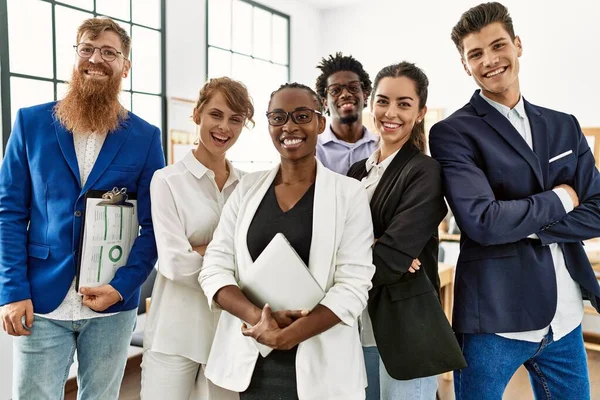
(565, 199)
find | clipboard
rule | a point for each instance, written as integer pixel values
(108, 230)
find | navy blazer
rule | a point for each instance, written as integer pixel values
(501, 192)
(42, 202)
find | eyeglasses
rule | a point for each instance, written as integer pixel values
(107, 53)
(301, 116)
(336, 89)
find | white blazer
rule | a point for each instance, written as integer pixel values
(331, 364)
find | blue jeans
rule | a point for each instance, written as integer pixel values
(557, 370)
(412, 389)
(42, 359)
(372, 364)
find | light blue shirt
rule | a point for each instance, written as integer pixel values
(338, 155)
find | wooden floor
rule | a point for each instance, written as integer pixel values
(518, 388)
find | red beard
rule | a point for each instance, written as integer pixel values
(92, 105)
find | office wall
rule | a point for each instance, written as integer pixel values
(558, 67)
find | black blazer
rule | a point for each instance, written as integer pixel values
(413, 335)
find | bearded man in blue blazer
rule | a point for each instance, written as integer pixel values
(56, 153)
(523, 186)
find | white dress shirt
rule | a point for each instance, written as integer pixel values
(186, 208)
(569, 302)
(87, 149)
(375, 171)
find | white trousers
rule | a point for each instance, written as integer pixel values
(171, 377)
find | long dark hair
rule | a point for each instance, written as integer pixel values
(415, 74)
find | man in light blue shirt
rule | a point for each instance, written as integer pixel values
(344, 87)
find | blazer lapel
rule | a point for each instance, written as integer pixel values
(505, 129)
(112, 145)
(539, 135)
(322, 247)
(67, 147)
(388, 183)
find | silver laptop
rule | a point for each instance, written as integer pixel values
(280, 277)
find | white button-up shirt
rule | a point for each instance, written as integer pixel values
(186, 208)
(569, 303)
(87, 149)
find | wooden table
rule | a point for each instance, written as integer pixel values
(446, 273)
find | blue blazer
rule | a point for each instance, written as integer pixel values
(42, 203)
(501, 192)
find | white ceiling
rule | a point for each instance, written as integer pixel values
(328, 4)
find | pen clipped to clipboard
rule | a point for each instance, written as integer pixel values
(109, 229)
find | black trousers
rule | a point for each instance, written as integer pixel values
(274, 377)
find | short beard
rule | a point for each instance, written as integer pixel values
(349, 120)
(91, 105)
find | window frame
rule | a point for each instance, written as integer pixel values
(6, 74)
(251, 56)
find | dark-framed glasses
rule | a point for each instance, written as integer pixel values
(299, 116)
(336, 89)
(107, 53)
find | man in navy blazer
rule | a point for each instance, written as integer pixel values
(56, 153)
(523, 186)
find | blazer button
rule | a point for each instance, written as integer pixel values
(78, 213)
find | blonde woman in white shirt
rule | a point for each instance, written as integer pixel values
(187, 200)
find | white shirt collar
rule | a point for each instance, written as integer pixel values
(199, 170)
(504, 110)
(372, 160)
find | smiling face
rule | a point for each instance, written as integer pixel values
(95, 68)
(294, 141)
(395, 109)
(219, 126)
(346, 107)
(492, 59)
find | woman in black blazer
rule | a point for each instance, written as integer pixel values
(413, 336)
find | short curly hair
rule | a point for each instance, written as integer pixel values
(339, 62)
(296, 85)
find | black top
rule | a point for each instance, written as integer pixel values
(295, 224)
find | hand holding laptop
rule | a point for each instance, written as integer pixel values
(279, 279)
(269, 330)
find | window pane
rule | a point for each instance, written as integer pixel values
(254, 145)
(61, 90)
(146, 12)
(126, 82)
(242, 32)
(149, 108)
(29, 92)
(30, 53)
(87, 4)
(280, 40)
(242, 69)
(125, 100)
(279, 74)
(113, 8)
(219, 23)
(219, 63)
(262, 34)
(67, 22)
(146, 60)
